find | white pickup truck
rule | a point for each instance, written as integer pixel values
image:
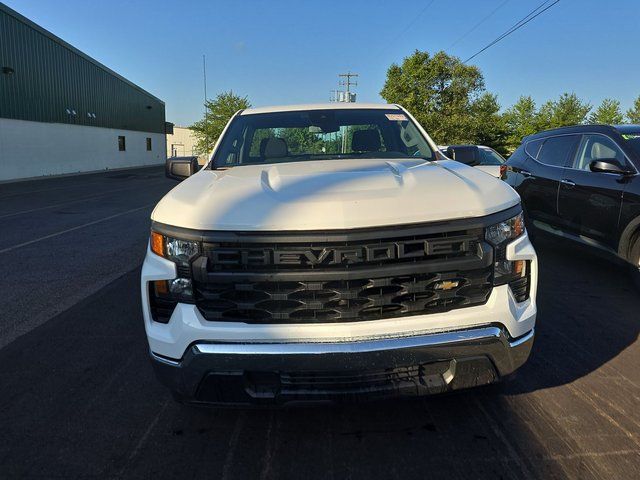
(328, 252)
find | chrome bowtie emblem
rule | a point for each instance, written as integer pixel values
(446, 285)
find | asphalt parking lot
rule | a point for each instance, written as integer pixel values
(79, 398)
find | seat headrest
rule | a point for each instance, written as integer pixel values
(273, 147)
(600, 151)
(365, 141)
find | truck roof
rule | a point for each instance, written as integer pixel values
(318, 106)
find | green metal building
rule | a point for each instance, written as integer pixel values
(62, 111)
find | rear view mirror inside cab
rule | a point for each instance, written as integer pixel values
(326, 127)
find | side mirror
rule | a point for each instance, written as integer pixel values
(467, 154)
(607, 165)
(179, 168)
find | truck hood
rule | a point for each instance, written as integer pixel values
(332, 194)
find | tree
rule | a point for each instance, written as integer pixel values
(520, 120)
(488, 124)
(608, 113)
(633, 114)
(439, 91)
(567, 110)
(545, 115)
(302, 140)
(217, 114)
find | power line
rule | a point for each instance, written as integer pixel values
(472, 29)
(522, 21)
(415, 19)
(515, 27)
(519, 24)
(412, 22)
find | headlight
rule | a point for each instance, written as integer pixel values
(178, 251)
(164, 295)
(505, 231)
(514, 273)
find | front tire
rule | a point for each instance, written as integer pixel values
(634, 260)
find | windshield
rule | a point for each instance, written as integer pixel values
(320, 135)
(490, 157)
(633, 139)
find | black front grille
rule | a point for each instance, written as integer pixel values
(342, 300)
(324, 277)
(347, 382)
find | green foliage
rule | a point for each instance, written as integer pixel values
(608, 113)
(218, 113)
(259, 135)
(448, 98)
(442, 93)
(488, 126)
(521, 119)
(633, 114)
(567, 110)
(301, 140)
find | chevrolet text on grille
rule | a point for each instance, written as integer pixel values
(342, 255)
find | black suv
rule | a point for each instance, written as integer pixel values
(582, 183)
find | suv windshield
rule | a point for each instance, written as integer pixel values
(633, 139)
(490, 157)
(320, 135)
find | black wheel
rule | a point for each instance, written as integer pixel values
(634, 260)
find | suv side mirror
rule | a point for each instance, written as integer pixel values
(467, 154)
(607, 165)
(179, 168)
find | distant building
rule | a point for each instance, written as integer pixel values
(63, 112)
(181, 143)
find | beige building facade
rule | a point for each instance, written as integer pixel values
(182, 143)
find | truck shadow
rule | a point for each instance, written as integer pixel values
(587, 314)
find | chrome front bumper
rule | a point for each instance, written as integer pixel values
(249, 373)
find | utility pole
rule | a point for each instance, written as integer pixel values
(204, 78)
(347, 97)
(344, 95)
(347, 83)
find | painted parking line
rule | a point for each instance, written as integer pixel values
(90, 197)
(99, 179)
(62, 232)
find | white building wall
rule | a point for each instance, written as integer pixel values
(33, 149)
(181, 143)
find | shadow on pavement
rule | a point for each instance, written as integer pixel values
(79, 399)
(587, 315)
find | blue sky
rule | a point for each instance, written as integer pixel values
(284, 51)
